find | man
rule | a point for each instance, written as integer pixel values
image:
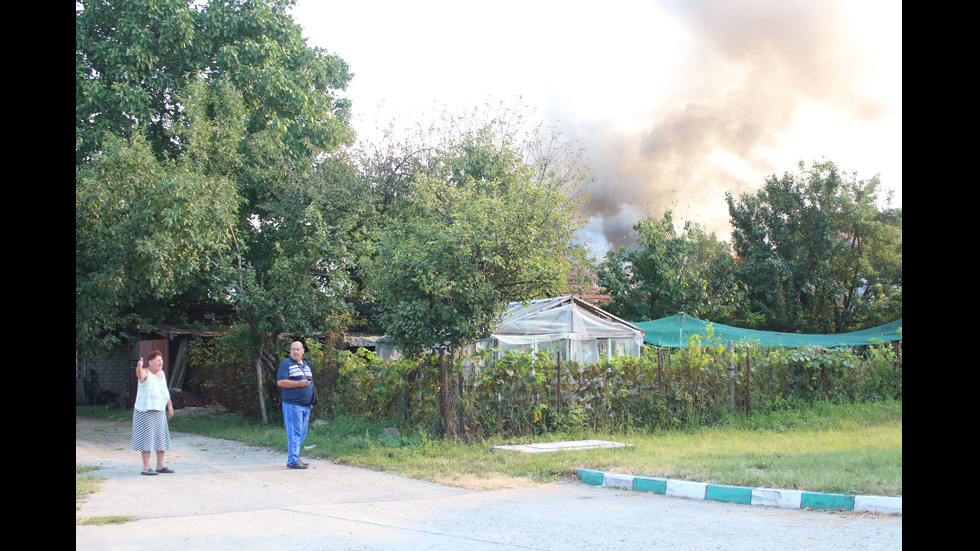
(296, 381)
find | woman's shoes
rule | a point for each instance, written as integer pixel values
(151, 472)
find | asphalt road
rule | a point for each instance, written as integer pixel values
(226, 495)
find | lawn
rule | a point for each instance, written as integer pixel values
(844, 448)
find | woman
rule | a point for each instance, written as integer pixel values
(150, 430)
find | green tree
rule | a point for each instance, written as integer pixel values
(665, 273)
(135, 58)
(817, 253)
(487, 218)
(227, 99)
(146, 237)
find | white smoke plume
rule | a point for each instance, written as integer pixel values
(734, 99)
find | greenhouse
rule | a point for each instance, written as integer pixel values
(578, 330)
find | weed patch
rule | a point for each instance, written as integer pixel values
(103, 521)
(85, 482)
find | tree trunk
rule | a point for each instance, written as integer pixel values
(444, 394)
(258, 375)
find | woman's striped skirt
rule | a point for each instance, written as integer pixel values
(151, 433)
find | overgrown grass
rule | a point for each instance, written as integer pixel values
(846, 448)
(87, 483)
(103, 521)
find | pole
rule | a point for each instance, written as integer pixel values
(660, 370)
(748, 381)
(823, 373)
(559, 383)
(731, 375)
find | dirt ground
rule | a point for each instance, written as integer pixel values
(107, 446)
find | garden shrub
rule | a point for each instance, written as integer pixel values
(516, 394)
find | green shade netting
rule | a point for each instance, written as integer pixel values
(677, 330)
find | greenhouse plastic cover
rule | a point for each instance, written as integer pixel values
(676, 332)
(567, 317)
(580, 331)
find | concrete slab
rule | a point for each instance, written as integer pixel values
(878, 504)
(684, 488)
(546, 447)
(814, 500)
(653, 484)
(624, 481)
(729, 494)
(591, 477)
(775, 497)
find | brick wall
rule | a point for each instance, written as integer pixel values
(97, 375)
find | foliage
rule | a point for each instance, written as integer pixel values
(813, 253)
(228, 372)
(375, 389)
(816, 253)
(203, 168)
(486, 218)
(507, 396)
(134, 58)
(878, 377)
(666, 273)
(485, 215)
(287, 272)
(516, 394)
(147, 234)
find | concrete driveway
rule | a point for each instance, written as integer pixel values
(226, 495)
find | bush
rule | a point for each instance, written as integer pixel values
(367, 386)
(228, 374)
(517, 394)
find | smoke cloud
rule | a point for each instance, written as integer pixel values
(728, 107)
(675, 101)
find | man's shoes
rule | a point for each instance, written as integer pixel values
(298, 465)
(165, 470)
(148, 472)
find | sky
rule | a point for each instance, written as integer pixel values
(676, 102)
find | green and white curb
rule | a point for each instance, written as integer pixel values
(791, 499)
